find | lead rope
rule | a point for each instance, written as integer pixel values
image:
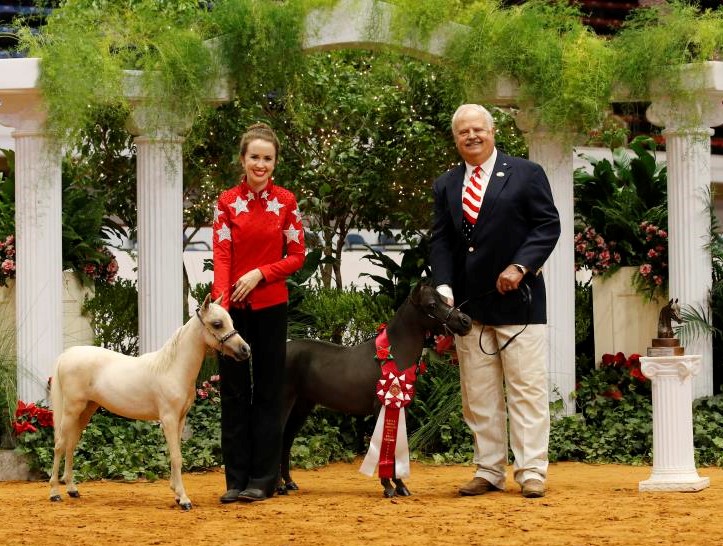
(526, 297)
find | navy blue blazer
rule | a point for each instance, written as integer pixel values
(517, 224)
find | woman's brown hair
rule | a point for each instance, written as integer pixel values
(259, 131)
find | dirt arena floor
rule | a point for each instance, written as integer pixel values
(585, 505)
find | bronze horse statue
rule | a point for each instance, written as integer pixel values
(670, 312)
(344, 378)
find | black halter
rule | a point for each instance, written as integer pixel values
(221, 340)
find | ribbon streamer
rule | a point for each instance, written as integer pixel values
(389, 447)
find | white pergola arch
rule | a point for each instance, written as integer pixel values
(159, 170)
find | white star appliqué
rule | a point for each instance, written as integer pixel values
(292, 234)
(265, 194)
(217, 212)
(250, 196)
(274, 206)
(224, 233)
(297, 214)
(240, 205)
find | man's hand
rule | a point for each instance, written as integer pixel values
(509, 279)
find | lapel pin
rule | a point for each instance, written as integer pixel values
(500, 173)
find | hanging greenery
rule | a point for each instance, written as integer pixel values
(564, 73)
(655, 42)
(88, 44)
(563, 70)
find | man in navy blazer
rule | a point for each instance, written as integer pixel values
(495, 225)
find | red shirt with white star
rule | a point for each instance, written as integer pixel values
(256, 230)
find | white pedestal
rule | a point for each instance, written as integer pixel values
(673, 460)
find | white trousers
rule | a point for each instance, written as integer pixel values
(518, 373)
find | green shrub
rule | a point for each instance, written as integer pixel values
(346, 317)
(113, 312)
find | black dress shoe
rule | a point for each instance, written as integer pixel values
(230, 496)
(252, 494)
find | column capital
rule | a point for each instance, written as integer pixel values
(21, 103)
(696, 106)
(683, 367)
(158, 120)
(24, 111)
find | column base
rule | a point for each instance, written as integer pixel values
(688, 482)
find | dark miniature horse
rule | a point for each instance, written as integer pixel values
(344, 378)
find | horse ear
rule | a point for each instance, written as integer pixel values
(206, 302)
(414, 294)
(670, 302)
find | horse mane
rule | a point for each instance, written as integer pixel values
(166, 355)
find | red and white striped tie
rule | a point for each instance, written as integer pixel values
(472, 196)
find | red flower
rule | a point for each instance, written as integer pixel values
(20, 427)
(422, 367)
(381, 327)
(383, 353)
(443, 343)
(44, 417)
(638, 374)
(613, 393)
(607, 359)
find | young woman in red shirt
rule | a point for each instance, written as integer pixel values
(258, 241)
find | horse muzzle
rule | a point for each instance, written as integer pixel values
(463, 326)
(242, 352)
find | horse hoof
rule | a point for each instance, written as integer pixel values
(74, 494)
(55, 498)
(281, 490)
(403, 492)
(291, 486)
(186, 506)
(389, 493)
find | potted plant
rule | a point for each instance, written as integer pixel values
(664, 52)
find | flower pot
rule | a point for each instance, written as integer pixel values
(76, 328)
(624, 320)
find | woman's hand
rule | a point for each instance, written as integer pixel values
(245, 284)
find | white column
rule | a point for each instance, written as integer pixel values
(687, 135)
(38, 232)
(673, 459)
(39, 288)
(158, 131)
(555, 157)
(160, 239)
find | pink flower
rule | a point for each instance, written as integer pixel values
(662, 233)
(652, 253)
(658, 279)
(202, 394)
(8, 266)
(645, 269)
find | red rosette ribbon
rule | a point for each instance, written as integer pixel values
(389, 447)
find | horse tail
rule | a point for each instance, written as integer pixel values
(56, 397)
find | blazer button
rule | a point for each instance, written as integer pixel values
(471, 249)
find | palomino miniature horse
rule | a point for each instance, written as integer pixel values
(344, 378)
(155, 386)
